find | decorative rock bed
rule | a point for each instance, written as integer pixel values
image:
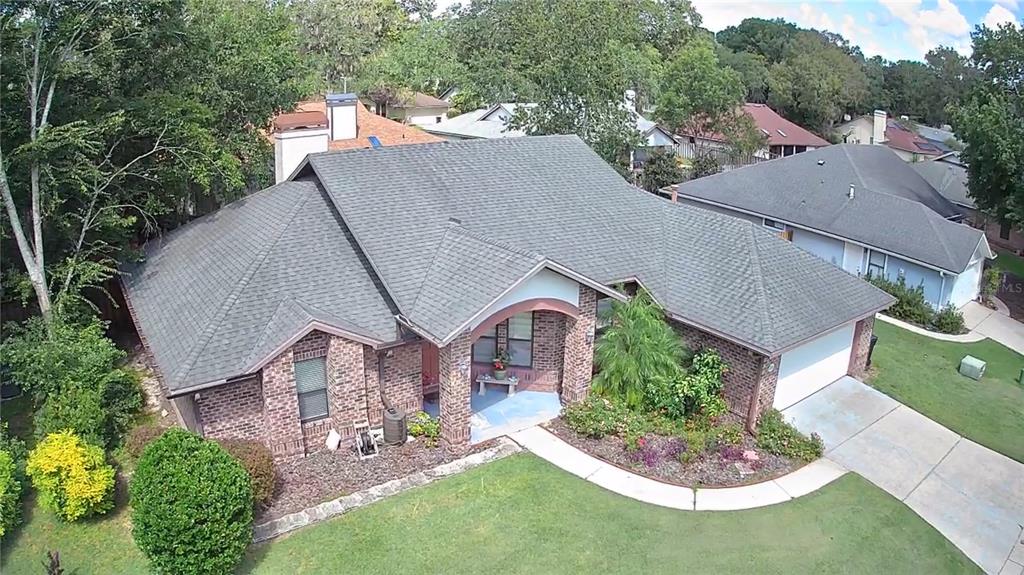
(329, 474)
(659, 458)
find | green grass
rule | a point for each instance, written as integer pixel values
(922, 373)
(522, 515)
(1009, 262)
(101, 545)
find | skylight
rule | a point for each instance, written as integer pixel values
(781, 133)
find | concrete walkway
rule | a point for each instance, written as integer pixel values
(994, 325)
(969, 337)
(809, 478)
(971, 494)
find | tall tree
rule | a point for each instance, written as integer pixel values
(991, 123)
(768, 38)
(703, 99)
(751, 67)
(954, 79)
(119, 116)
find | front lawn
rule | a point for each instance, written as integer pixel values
(522, 515)
(1009, 262)
(922, 373)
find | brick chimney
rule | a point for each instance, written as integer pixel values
(878, 127)
(296, 136)
(341, 113)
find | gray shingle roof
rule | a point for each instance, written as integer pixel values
(214, 295)
(893, 209)
(948, 178)
(554, 197)
(436, 232)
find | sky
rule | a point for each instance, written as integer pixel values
(893, 29)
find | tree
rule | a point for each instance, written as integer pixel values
(911, 88)
(338, 35)
(768, 38)
(702, 99)
(955, 77)
(752, 68)
(637, 350)
(661, 169)
(122, 117)
(816, 82)
(991, 123)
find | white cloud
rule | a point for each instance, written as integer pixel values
(813, 17)
(998, 15)
(1011, 4)
(927, 28)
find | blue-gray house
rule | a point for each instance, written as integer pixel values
(863, 209)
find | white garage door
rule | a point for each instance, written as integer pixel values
(812, 366)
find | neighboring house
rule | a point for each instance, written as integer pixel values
(401, 270)
(449, 94)
(899, 136)
(492, 122)
(860, 208)
(421, 110)
(943, 138)
(310, 129)
(948, 175)
(784, 137)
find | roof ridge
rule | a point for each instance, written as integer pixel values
(853, 164)
(758, 275)
(232, 298)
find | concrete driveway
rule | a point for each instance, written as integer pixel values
(971, 494)
(996, 325)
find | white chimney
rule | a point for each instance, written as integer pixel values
(630, 99)
(878, 127)
(850, 194)
(341, 115)
(295, 137)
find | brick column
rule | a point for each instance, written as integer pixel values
(861, 346)
(284, 432)
(578, 359)
(346, 389)
(454, 363)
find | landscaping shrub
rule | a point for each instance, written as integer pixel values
(72, 372)
(191, 506)
(258, 463)
(729, 434)
(422, 425)
(948, 320)
(910, 302)
(661, 169)
(701, 388)
(652, 451)
(990, 281)
(776, 436)
(140, 436)
(10, 493)
(71, 476)
(639, 355)
(595, 417)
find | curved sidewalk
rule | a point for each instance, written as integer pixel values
(546, 445)
(969, 337)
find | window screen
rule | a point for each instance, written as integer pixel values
(520, 339)
(876, 264)
(311, 387)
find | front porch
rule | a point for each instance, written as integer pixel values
(496, 413)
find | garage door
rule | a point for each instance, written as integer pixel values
(812, 366)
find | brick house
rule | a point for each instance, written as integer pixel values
(401, 271)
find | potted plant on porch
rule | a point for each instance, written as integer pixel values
(500, 363)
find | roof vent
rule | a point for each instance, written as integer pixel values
(821, 162)
(455, 221)
(850, 194)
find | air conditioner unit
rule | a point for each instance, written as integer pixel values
(972, 367)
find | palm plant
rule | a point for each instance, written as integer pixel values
(638, 350)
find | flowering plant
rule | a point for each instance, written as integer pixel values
(501, 359)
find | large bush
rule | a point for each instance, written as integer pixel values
(661, 169)
(639, 354)
(595, 417)
(990, 281)
(191, 506)
(948, 320)
(72, 372)
(910, 305)
(10, 493)
(258, 463)
(71, 476)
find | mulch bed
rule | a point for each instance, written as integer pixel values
(713, 468)
(1011, 292)
(330, 474)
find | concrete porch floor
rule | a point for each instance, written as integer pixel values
(496, 414)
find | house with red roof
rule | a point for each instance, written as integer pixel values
(900, 136)
(784, 138)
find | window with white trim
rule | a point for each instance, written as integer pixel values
(774, 224)
(876, 264)
(311, 387)
(520, 339)
(486, 346)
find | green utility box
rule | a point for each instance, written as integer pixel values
(972, 367)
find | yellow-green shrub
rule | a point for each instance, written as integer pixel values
(72, 477)
(10, 493)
